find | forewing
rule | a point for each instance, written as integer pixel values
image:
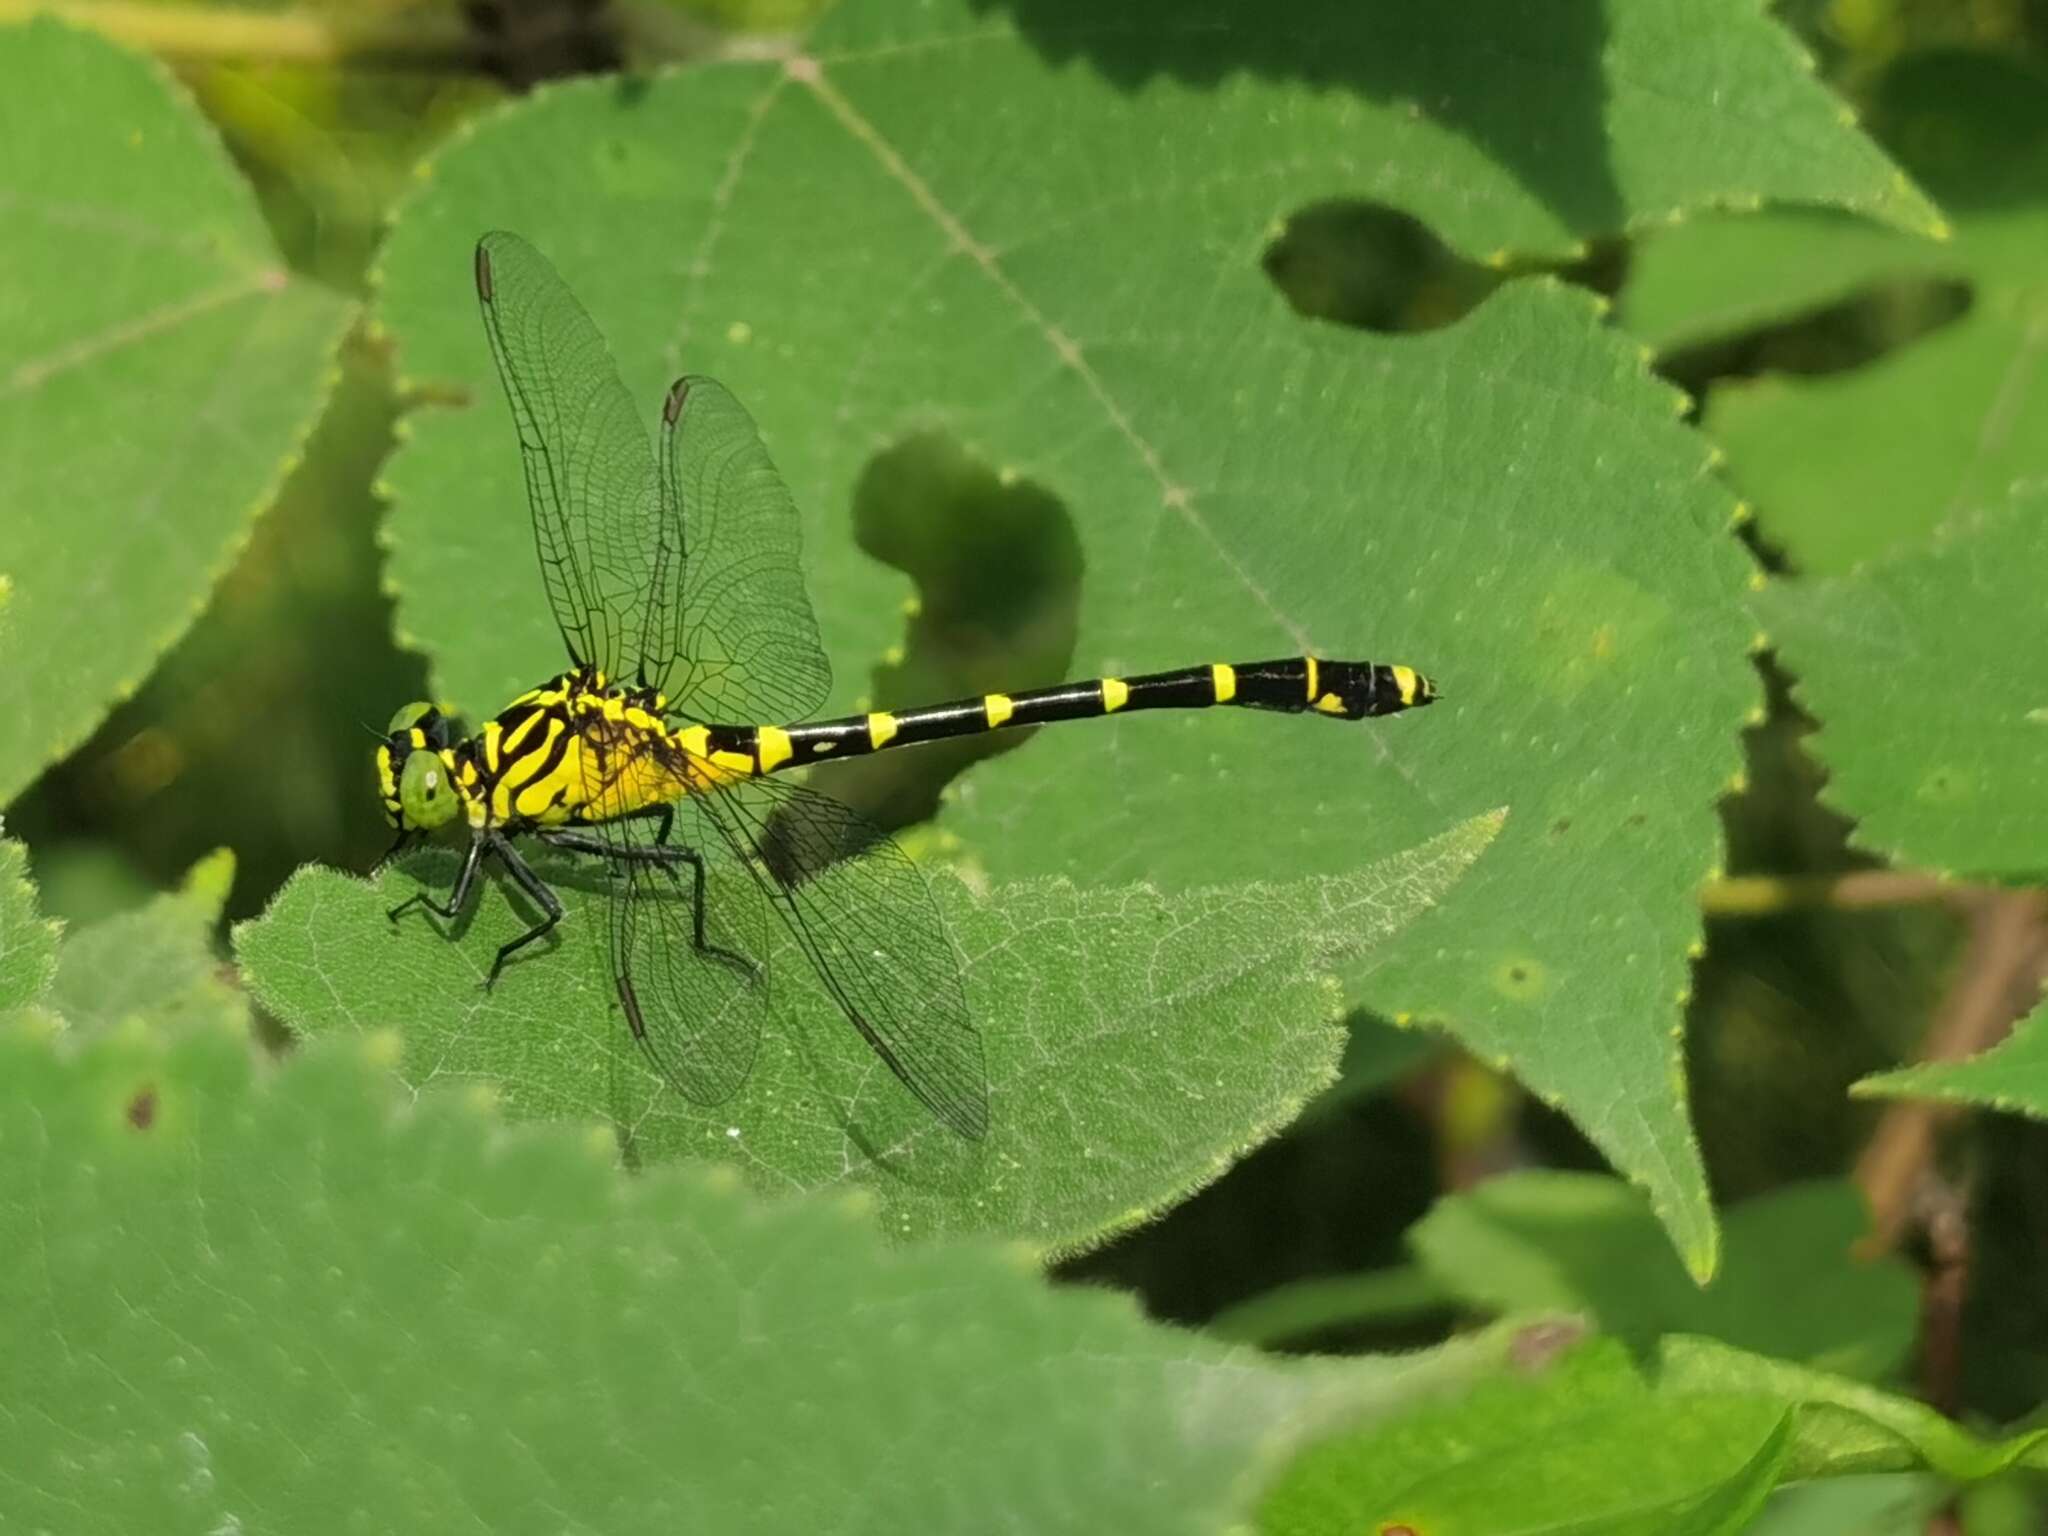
(860, 909)
(590, 478)
(742, 640)
(695, 1014)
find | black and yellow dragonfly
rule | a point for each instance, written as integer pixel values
(677, 586)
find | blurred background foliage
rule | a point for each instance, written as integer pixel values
(255, 731)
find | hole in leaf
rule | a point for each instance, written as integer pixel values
(1374, 267)
(997, 566)
(1377, 268)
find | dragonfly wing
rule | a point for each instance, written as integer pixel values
(590, 477)
(860, 909)
(741, 642)
(694, 1013)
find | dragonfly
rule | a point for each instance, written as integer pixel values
(675, 577)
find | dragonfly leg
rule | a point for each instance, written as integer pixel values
(535, 887)
(457, 898)
(664, 814)
(665, 857)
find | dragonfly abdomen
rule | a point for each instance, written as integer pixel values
(1346, 690)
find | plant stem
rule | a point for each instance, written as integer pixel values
(1768, 895)
(417, 37)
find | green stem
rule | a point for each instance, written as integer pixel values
(210, 32)
(1767, 895)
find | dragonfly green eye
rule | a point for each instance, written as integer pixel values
(424, 793)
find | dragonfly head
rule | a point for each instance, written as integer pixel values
(413, 770)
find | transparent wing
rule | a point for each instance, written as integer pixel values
(861, 910)
(742, 643)
(695, 1013)
(590, 478)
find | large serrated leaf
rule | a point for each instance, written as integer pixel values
(1137, 1043)
(1041, 236)
(158, 369)
(289, 1305)
(1933, 739)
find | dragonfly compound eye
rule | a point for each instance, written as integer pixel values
(424, 793)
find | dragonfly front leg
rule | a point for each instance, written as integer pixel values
(457, 898)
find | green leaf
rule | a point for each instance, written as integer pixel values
(284, 1302)
(158, 369)
(1928, 637)
(1845, 466)
(1577, 1447)
(1881, 1504)
(28, 941)
(2012, 1075)
(866, 248)
(1844, 1427)
(156, 962)
(1551, 1241)
(1137, 1044)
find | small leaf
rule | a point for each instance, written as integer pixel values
(28, 941)
(1933, 739)
(2012, 1075)
(1554, 1241)
(1844, 1426)
(237, 1300)
(1881, 1504)
(158, 369)
(1137, 1043)
(1579, 1447)
(155, 962)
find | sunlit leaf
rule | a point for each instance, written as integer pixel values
(1040, 236)
(1137, 1043)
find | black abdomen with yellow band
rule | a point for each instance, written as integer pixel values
(1347, 690)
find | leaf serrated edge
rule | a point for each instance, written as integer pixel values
(1953, 529)
(14, 877)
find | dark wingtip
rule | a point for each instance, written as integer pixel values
(483, 272)
(672, 407)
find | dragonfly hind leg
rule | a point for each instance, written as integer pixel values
(665, 857)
